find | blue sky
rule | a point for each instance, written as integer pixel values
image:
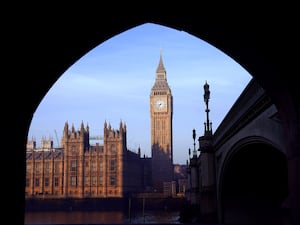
(113, 81)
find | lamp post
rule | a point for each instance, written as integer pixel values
(194, 137)
(206, 96)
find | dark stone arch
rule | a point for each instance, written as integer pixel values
(254, 185)
(41, 42)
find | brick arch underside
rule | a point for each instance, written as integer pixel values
(254, 185)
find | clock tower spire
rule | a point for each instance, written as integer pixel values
(161, 112)
(161, 73)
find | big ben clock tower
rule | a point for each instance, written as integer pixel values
(161, 110)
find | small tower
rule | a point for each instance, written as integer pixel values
(74, 143)
(115, 138)
(115, 149)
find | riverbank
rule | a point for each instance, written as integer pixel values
(101, 217)
(105, 204)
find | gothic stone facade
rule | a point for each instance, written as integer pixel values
(80, 170)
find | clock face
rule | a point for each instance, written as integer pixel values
(160, 104)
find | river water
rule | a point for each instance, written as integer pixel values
(103, 217)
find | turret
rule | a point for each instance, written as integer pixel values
(139, 151)
(115, 136)
(66, 130)
(79, 138)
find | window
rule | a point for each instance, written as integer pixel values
(94, 181)
(46, 181)
(56, 182)
(113, 148)
(37, 182)
(56, 167)
(160, 76)
(37, 167)
(86, 166)
(101, 167)
(94, 166)
(47, 167)
(112, 165)
(73, 181)
(73, 166)
(112, 180)
(86, 182)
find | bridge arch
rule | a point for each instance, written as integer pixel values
(54, 38)
(253, 184)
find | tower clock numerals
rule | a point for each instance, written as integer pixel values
(160, 104)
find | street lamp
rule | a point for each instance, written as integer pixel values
(206, 97)
(194, 137)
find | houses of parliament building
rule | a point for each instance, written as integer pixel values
(78, 169)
